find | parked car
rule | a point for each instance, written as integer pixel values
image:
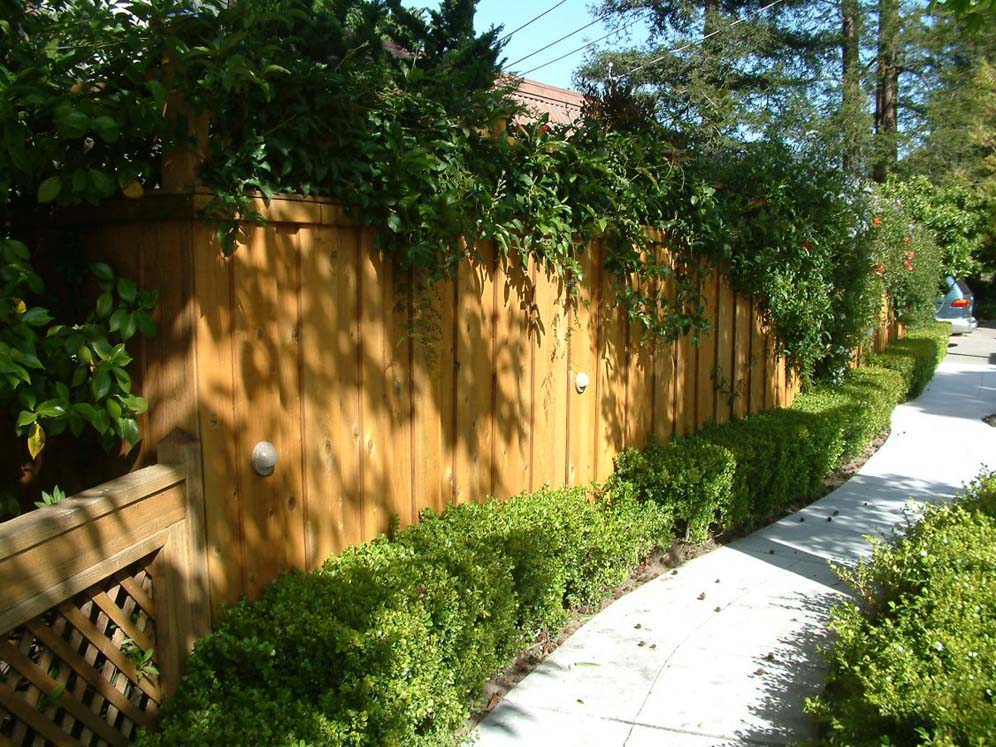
(956, 307)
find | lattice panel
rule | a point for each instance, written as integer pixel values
(85, 672)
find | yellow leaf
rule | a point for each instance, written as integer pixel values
(36, 440)
(19, 306)
(133, 189)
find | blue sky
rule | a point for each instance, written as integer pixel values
(572, 15)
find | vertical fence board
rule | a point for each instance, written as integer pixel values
(433, 396)
(330, 390)
(725, 369)
(218, 426)
(514, 379)
(386, 450)
(706, 373)
(475, 376)
(775, 374)
(549, 335)
(665, 374)
(758, 361)
(639, 380)
(742, 357)
(583, 407)
(612, 378)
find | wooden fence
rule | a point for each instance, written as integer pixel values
(301, 339)
(101, 598)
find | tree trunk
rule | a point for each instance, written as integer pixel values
(852, 99)
(887, 90)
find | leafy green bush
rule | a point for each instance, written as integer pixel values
(388, 643)
(913, 659)
(689, 481)
(909, 260)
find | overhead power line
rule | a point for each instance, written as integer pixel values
(691, 44)
(573, 51)
(531, 21)
(555, 43)
(654, 61)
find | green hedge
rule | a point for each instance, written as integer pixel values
(913, 663)
(916, 356)
(389, 643)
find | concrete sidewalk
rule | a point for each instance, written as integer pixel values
(725, 651)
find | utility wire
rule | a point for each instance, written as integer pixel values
(554, 43)
(693, 43)
(530, 22)
(651, 62)
(573, 51)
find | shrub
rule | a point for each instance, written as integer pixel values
(690, 481)
(388, 643)
(916, 356)
(913, 660)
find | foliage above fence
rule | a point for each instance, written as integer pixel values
(404, 132)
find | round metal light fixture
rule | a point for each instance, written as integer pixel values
(264, 458)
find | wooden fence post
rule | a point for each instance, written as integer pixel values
(187, 594)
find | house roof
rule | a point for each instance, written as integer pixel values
(562, 105)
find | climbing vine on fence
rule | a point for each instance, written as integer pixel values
(403, 117)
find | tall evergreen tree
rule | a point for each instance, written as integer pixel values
(723, 69)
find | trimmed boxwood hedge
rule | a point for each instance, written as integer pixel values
(913, 659)
(390, 643)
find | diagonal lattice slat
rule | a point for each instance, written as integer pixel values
(81, 675)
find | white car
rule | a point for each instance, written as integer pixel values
(956, 307)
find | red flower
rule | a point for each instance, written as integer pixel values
(910, 254)
(907, 239)
(877, 221)
(807, 245)
(880, 269)
(908, 265)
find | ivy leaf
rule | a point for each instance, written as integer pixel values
(36, 440)
(49, 189)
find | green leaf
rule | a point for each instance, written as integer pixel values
(104, 305)
(107, 128)
(123, 379)
(114, 323)
(129, 430)
(102, 271)
(113, 408)
(49, 189)
(71, 123)
(102, 348)
(101, 385)
(36, 317)
(26, 418)
(129, 327)
(51, 409)
(127, 290)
